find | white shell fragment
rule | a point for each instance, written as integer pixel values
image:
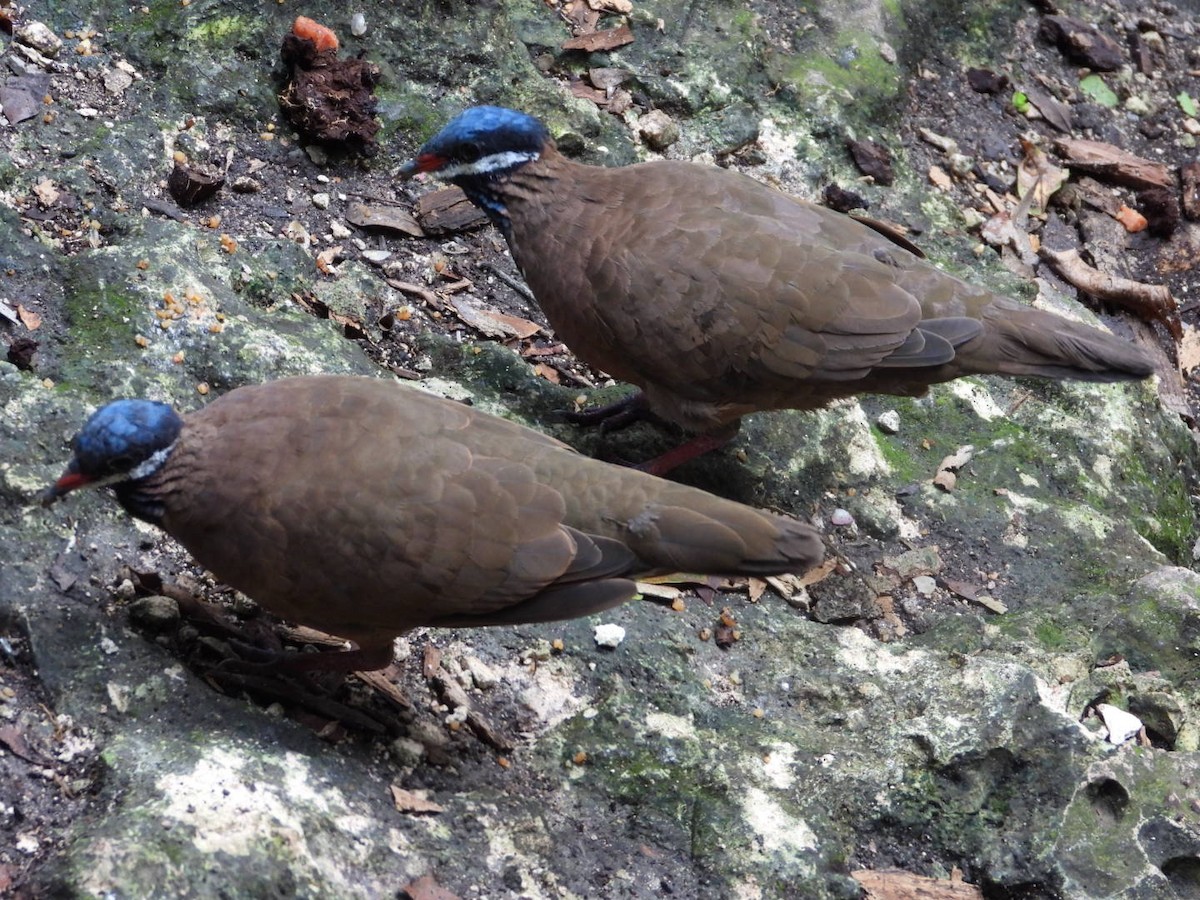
(608, 635)
(1121, 725)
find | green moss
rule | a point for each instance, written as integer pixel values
(101, 314)
(221, 31)
(904, 467)
(1170, 524)
(851, 69)
(1051, 636)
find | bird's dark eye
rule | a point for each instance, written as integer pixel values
(470, 152)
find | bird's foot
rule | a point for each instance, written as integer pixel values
(612, 416)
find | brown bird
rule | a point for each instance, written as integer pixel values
(367, 509)
(719, 296)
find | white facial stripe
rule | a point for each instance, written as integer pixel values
(497, 162)
(151, 465)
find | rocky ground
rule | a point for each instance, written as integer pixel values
(937, 704)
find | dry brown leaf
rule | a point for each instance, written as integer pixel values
(386, 218)
(756, 589)
(599, 41)
(408, 802)
(29, 318)
(1038, 174)
(492, 323)
(817, 574)
(548, 372)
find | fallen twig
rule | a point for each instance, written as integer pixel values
(1152, 302)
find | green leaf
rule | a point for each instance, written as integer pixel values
(1095, 87)
(1020, 102)
(1187, 104)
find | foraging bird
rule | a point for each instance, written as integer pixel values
(365, 508)
(719, 296)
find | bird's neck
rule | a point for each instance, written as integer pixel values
(496, 192)
(143, 493)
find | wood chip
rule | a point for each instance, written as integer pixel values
(414, 804)
(895, 884)
(1111, 163)
(1191, 189)
(383, 685)
(661, 591)
(427, 888)
(431, 661)
(599, 41)
(939, 178)
(383, 218)
(1151, 302)
(448, 211)
(1133, 220)
(1189, 349)
(29, 318)
(990, 603)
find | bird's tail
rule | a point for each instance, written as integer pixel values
(1020, 340)
(676, 528)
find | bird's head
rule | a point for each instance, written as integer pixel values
(479, 144)
(123, 441)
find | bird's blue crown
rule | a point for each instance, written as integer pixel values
(123, 434)
(485, 130)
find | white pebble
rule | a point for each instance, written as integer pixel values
(841, 518)
(924, 585)
(358, 24)
(1121, 725)
(320, 201)
(609, 635)
(889, 422)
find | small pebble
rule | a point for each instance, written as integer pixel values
(609, 635)
(155, 613)
(320, 201)
(889, 422)
(658, 130)
(358, 24)
(924, 585)
(1121, 725)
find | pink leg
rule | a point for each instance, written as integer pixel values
(689, 450)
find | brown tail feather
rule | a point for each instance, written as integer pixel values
(1019, 340)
